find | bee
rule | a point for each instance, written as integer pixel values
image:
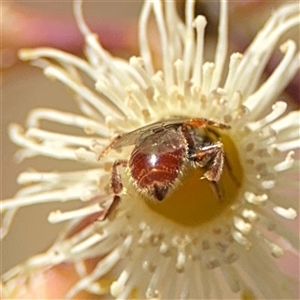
(162, 151)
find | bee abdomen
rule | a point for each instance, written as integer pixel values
(156, 173)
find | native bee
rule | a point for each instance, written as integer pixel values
(161, 151)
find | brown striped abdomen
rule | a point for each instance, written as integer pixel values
(154, 164)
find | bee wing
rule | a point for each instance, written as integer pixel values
(127, 139)
(138, 135)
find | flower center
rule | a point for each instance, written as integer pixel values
(197, 200)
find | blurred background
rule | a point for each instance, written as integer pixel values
(51, 23)
(40, 23)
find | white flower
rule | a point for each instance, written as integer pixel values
(191, 243)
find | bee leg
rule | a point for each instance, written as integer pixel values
(116, 186)
(231, 173)
(202, 122)
(112, 207)
(215, 165)
(116, 180)
(210, 157)
(216, 187)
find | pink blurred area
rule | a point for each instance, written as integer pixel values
(24, 87)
